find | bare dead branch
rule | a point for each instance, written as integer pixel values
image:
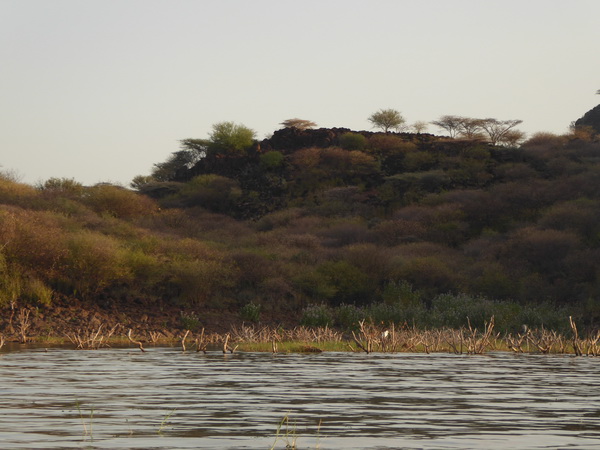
(184, 338)
(138, 343)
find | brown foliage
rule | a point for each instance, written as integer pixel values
(394, 232)
(385, 145)
(429, 273)
(544, 250)
(94, 262)
(344, 233)
(581, 216)
(118, 202)
(544, 143)
(35, 240)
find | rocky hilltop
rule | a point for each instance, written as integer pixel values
(290, 139)
(590, 119)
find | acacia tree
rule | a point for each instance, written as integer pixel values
(471, 128)
(192, 151)
(452, 124)
(497, 130)
(387, 119)
(420, 126)
(513, 138)
(301, 124)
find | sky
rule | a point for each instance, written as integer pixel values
(101, 90)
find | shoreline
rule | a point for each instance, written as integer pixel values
(265, 339)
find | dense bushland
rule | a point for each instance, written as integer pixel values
(323, 227)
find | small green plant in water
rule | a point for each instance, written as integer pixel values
(287, 435)
(165, 422)
(87, 428)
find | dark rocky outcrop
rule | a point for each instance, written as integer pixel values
(590, 119)
(288, 140)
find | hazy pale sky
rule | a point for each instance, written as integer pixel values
(100, 90)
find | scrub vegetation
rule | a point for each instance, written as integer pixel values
(319, 228)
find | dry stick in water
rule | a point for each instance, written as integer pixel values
(455, 335)
(592, 345)
(90, 338)
(226, 346)
(360, 344)
(516, 343)
(576, 347)
(201, 344)
(154, 336)
(138, 343)
(543, 340)
(477, 344)
(184, 338)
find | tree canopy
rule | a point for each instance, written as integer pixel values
(229, 137)
(387, 119)
(301, 124)
(452, 124)
(497, 131)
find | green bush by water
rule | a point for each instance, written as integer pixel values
(443, 311)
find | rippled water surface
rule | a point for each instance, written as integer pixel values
(166, 399)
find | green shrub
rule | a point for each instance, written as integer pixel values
(418, 161)
(349, 283)
(272, 160)
(544, 315)
(315, 285)
(143, 266)
(348, 316)
(493, 281)
(10, 283)
(189, 321)
(213, 192)
(317, 316)
(401, 293)
(398, 314)
(94, 262)
(457, 310)
(250, 312)
(353, 141)
(15, 286)
(230, 138)
(66, 186)
(35, 291)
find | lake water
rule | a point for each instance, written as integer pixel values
(166, 399)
